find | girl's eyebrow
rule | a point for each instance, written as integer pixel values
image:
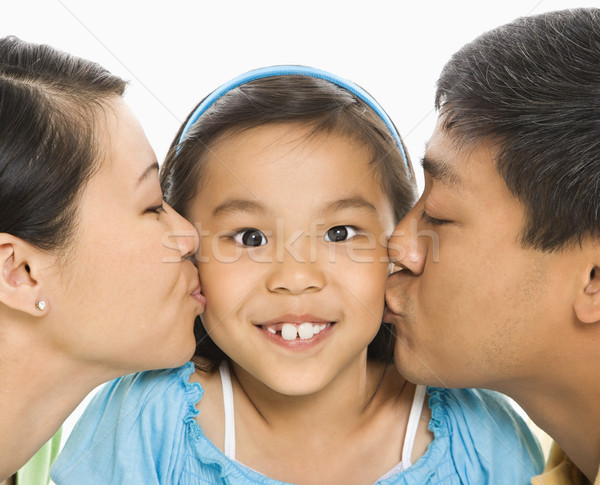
(350, 203)
(246, 205)
(238, 205)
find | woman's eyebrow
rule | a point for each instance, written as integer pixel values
(238, 205)
(146, 173)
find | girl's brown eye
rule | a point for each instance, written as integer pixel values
(340, 233)
(251, 238)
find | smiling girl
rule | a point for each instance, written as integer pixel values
(295, 179)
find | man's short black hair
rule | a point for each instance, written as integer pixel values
(532, 88)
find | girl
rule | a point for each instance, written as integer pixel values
(295, 179)
(82, 223)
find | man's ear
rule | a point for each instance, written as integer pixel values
(587, 301)
(19, 288)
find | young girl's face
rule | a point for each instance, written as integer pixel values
(293, 258)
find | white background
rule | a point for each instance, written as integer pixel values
(174, 53)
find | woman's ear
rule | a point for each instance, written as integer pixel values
(19, 289)
(587, 302)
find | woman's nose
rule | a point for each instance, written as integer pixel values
(183, 234)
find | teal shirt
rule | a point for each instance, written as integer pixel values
(141, 429)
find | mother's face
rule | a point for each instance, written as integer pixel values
(124, 298)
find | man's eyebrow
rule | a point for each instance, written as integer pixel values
(441, 171)
(146, 173)
(238, 205)
(350, 203)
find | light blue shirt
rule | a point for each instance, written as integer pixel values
(140, 429)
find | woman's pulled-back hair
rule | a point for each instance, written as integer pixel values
(48, 100)
(325, 108)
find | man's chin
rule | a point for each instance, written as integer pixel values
(412, 367)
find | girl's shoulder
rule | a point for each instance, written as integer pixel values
(136, 397)
(142, 415)
(481, 413)
(142, 428)
(478, 438)
(487, 438)
(210, 410)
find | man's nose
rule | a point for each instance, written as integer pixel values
(409, 244)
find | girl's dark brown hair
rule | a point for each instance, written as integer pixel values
(322, 106)
(48, 103)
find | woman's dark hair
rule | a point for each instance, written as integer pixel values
(325, 108)
(48, 100)
(532, 88)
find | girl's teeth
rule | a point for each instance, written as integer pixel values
(288, 331)
(305, 331)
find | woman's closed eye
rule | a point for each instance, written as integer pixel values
(340, 233)
(156, 209)
(250, 238)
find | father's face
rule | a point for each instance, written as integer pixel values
(471, 307)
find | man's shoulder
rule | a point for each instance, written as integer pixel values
(561, 470)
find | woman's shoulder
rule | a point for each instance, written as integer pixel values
(486, 434)
(142, 415)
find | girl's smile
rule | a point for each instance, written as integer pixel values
(297, 332)
(293, 260)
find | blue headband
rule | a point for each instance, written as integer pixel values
(273, 71)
